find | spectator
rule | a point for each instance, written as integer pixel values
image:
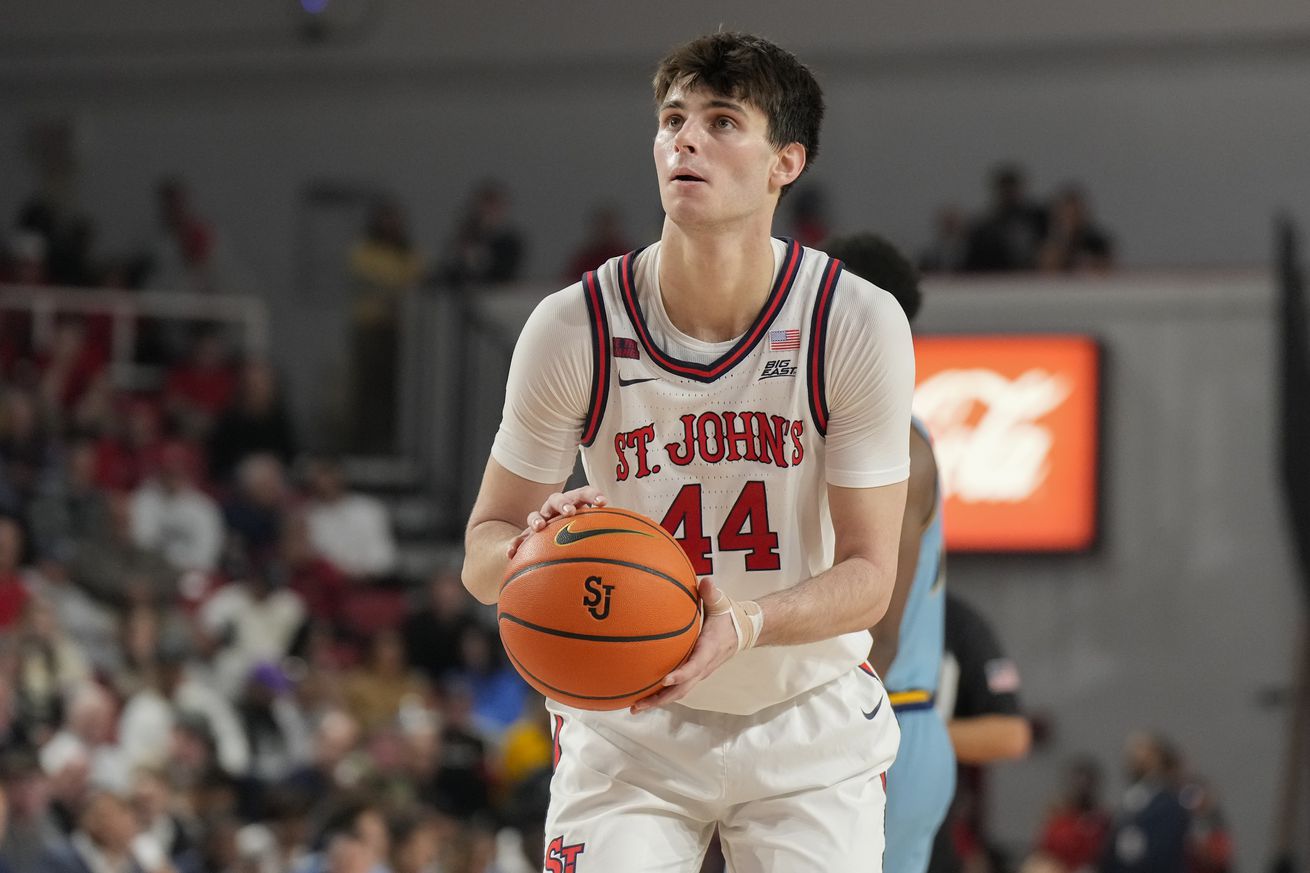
(199, 390)
(432, 632)
(249, 621)
(258, 422)
(384, 268)
(130, 448)
(70, 508)
(172, 516)
(415, 843)
(375, 691)
(946, 253)
(316, 579)
(118, 572)
(26, 449)
(463, 785)
(178, 698)
(499, 693)
(1074, 243)
(979, 696)
(103, 839)
(350, 529)
(1151, 826)
(1209, 842)
(51, 667)
(184, 257)
(354, 839)
(335, 765)
(158, 815)
(68, 366)
(13, 589)
(605, 240)
(1008, 237)
(1073, 836)
(486, 247)
(256, 510)
(33, 831)
(275, 728)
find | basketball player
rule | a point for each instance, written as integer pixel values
(755, 399)
(907, 643)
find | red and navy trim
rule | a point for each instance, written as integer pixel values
(791, 263)
(600, 357)
(557, 727)
(816, 377)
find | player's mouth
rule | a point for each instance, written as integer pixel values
(686, 178)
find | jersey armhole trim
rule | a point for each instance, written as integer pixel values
(600, 357)
(817, 383)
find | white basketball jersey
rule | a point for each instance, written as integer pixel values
(729, 455)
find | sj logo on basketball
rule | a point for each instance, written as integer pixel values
(561, 858)
(597, 599)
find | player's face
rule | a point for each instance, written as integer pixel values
(714, 160)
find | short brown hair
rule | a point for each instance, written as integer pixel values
(745, 67)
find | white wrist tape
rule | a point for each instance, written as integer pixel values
(747, 618)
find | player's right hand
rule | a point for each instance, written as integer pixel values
(560, 503)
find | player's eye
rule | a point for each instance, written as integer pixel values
(673, 121)
(723, 122)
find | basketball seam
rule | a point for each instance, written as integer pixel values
(526, 672)
(691, 595)
(597, 638)
(545, 684)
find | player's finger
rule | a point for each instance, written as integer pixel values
(518, 541)
(536, 521)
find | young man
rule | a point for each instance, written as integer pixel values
(754, 399)
(907, 643)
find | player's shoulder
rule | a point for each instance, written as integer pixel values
(858, 303)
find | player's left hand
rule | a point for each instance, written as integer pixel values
(717, 643)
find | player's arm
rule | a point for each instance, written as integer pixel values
(850, 596)
(920, 503)
(546, 399)
(853, 595)
(986, 738)
(989, 724)
(506, 503)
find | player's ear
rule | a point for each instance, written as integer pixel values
(788, 164)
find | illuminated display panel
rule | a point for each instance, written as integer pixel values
(1014, 426)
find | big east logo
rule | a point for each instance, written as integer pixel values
(561, 858)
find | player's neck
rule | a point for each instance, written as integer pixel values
(714, 284)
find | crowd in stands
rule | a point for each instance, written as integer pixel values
(209, 657)
(1019, 234)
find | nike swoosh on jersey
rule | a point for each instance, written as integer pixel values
(623, 383)
(567, 535)
(870, 715)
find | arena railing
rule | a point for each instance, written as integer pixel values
(46, 305)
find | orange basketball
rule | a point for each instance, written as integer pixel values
(598, 607)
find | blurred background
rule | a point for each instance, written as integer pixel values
(262, 264)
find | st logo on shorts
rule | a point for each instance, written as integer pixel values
(561, 858)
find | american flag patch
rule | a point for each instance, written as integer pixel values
(1002, 676)
(625, 348)
(784, 340)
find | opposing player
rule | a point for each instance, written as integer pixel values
(907, 643)
(755, 399)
